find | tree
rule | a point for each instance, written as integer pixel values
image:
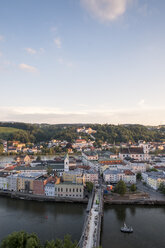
(121, 188)
(162, 188)
(49, 171)
(133, 188)
(1, 149)
(21, 240)
(38, 159)
(89, 186)
(139, 176)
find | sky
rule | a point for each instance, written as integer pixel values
(82, 61)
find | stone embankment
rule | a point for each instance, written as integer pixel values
(31, 197)
(132, 199)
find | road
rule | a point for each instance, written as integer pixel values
(154, 195)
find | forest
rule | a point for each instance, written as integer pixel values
(35, 133)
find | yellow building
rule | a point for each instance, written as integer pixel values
(25, 183)
(75, 176)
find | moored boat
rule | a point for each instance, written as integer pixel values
(126, 229)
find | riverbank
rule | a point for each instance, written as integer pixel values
(31, 197)
(135, 202)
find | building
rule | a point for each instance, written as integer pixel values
(113, 176)
(50, 189)
(90, 176)
(3, 181)
(88, 157)
(39, 184)
(73, 176)
(25, 182)
(69, 190)
(23, 159)
(153, 179)
(137, 167)
(136, 153)
(12, 182)
(129, 177)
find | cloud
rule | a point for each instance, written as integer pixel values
(1, 54)
(152, 116)
(106, 10)
(2, 38)
(28, 68)
(64, 62)
(30, 50)
(57, 42)
(53, 29)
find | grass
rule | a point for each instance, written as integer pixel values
(8, 130)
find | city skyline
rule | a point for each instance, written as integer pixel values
(80, 61)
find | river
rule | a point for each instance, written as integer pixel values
(54, 220)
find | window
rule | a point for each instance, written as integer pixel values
(61, 189)
(70, 190)
(66, 189)
(73, 190)
(80, 190)
(77, 190)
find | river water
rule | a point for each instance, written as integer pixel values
(54, 220)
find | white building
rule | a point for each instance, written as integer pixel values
(153, 179)
(12, 182)
(136, 153)
(3, 182)
(113, 176)
(137, 167)
(50, 189)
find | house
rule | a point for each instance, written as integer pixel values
(23, 159)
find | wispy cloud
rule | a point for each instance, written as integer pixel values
(28, 68)
(64, 62)
(30, 50)
(106, 10)
(57, 42)
(53, 29)
(150, 116)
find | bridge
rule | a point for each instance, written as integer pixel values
(90, 237)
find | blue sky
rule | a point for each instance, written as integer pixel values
(73, 61)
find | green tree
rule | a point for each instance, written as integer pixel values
(1, 149)
(133, 188)
(162, 188)
(121, 188)
(89, 186)
(139, 176)
(49, 171)
(38, 158)
(21, 240)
